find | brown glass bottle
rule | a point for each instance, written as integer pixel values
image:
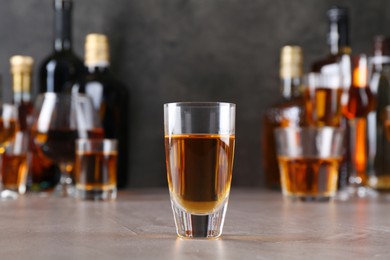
(338, 61)
(42, 173)
(360, 103)
(379, 143)
(109, 96)
(287, 112)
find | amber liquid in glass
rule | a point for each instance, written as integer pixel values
(361, 102)
(381, 181)
(14, 171)
(95, 170)
(309, 176)
(323, 106)
(8, 130)
(199, 168)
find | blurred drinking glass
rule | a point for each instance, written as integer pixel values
(309, 160)
(8, 127)
(14, 167)
(96, 168)
(59, 120)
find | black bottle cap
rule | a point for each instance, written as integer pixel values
(337, 13)
(381, 45)
(63, 4)
(338, 17)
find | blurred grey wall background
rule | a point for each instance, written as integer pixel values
(190, 50)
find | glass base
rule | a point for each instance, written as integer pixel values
(96, 194)
(309, 198)
(62, 190)
(208, 226)
(356, 191)
(8, 195)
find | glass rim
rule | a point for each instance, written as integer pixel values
(97, 140)
(311, 128)
(66, 95)
(200, 104)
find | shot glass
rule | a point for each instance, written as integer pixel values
(95, 169)
(199, 149)
(309, 160)
(14, 166)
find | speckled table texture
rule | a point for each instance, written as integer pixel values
(139, 225)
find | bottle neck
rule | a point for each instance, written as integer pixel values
(338, 37)
(291, 87)
(62, 25)
(98, 68)
(21, 85)
(360, 72)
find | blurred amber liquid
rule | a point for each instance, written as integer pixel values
(199, 168)
(309, 176)
(382, 182)
(8, 130)
(323, 106)
(14, 171)
(95, 170)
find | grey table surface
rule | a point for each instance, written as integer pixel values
(139, 225)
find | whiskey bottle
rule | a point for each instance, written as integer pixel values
(109, 97)
(338, 61)
(289, 111)
(62, 66)
(379, 159)
(42, 175)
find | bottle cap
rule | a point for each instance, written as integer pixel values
(338, 34)
(337, 13)
(381, 45)
(96, 50)
(291, 61)
(63, 4)
(21, 64)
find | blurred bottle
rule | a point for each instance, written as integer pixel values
(288, 112)
(62, 66)
(360, 103)
(42, 175)
(109, 97)
(379, 159)
(338, 61)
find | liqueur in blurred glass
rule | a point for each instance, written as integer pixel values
(379, 119)
(360, 103)
(289, 112)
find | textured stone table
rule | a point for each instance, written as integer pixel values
(139, 225)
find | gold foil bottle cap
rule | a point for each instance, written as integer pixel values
(21, 64)
(291, 62)
(96, 50)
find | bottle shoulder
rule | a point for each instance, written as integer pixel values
(61, 59)
(328, 60)
(102, 83)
